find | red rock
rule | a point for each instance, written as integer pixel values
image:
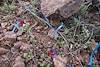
(3, 25)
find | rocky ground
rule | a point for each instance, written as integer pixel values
(34, 44)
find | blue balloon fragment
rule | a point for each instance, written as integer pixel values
(16, 26)
(93, 54)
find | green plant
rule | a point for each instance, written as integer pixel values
(42, 65)
(34, 2)
(7, 8)
(60, 41)
(83, 61)
(24, 28)
(33, 40)
(84, 8)
(28, 56)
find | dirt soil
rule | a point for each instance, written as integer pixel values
(38, 49)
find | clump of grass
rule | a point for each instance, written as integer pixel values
(28, 56)
(60, 40)
(7, 8)
(42, 65)
(84, 9)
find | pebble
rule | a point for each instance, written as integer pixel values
(10, 36)
(19, 62)
(3, 51)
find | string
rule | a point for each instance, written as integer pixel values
(62, 25)
(47, 21)
(16, 26)
(93, 54)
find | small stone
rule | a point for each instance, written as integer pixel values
(3, 51)
(18, 59)
(1, 30)
(25, 47)
(22, 46)
(52, 33)
(10, 28)
(19, 62)
(3, 25)
(10, 36)
(39, 27)
(4, 30)
(49, 42)
(19, 38)
(60, 61)
(17, 44)
(19, 33)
